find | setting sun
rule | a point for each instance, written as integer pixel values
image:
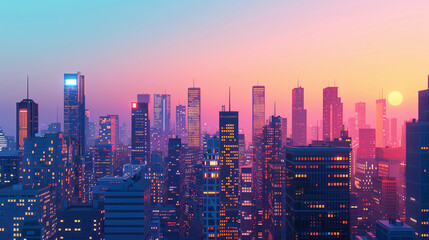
(395, 98)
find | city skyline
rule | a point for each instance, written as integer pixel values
(369, 75)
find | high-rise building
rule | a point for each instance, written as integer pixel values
(194, 117)
(172, 174)
(385, 199)
(74, 108)
(140, 133)
(332, 113)
(181, 121)
(241, 148)
(127, 207)
(258, 122)
(229, 223)
(103, 161)
(161, 112)
(10, 163)
(360, 114)
(317, 209)
(3, 141)
(246, 202)
(380, 123)
(284, 132)
(43, 163)
(393, 230)
(417, 165)
(272, 176)
(27, 213)
(394, 132)
(80, 222)
(211, 189)
(299, 118)
(27, 121)
(366, 171)
(109, 130)
(154, 174)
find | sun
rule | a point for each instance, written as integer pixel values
(395, 98)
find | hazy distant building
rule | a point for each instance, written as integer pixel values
(381, 137)
(332, 113)
(162, 112)
(299, 118)
(181, 122)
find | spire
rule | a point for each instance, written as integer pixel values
(230, 99)
(193, 82)
(274, 108)
(28, 84)
(297, 83)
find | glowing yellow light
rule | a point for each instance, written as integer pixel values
(395, 98)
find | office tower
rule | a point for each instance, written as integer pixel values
(181, 121)
(271, 171)
(143, 98)
(140, 133)
(131, 217)
(366, 170)
(246, 202)
(167, 216)
(299, 118)
(258, 122)
(154, 174)
(27, 213)
(43, 164)
(229, 223)
(191, 194)
(353, 127)
(332, 113)
(88, 176)
(74, 108)
(172, 175)
(318, 209)
(109, 130)
(161, 112)
(417, 163)
(393, 230)
(394, 132)
(284, 132)
(10, 163)
(380, 123)
(27, 121)
(360, 114)
(159, 140)
(80, 222)
(391, 163)
(211, 189)
(241, 149)
(103, 160)
(194, 117)
(3, 140)
(385, 200)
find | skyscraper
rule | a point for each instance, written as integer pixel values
(394, 132)
(258, 122)
(172, 175)
(318, 209)
(181, 121)
(332, 113)
(246, 200)
(229, 225)
(272, 178)
(194, 117)
(27, 121)
(380, 123)
(140, 133)
(74, 108)
(360, 111)
(299, 118)
(417, 165)
(211, 190)
(161, 112)
(109, 130)
(103, 161)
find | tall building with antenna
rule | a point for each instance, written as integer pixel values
(381, 137)
(27, 119)
(229, 220)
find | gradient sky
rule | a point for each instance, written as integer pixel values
(129, 47)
